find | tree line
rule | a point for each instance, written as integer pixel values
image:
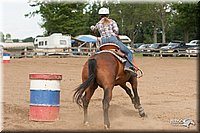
(8, 39)
(142, 22)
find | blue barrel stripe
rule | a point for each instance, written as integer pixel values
(45, 98)
(6, 54)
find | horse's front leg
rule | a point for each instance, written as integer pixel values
(137, 103)
(106, 100)
(128, 91)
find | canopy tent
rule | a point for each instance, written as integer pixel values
(87, 38)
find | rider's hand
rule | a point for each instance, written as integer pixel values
(92, 27)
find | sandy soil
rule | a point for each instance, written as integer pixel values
(167, 91)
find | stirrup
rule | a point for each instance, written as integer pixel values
(140, 74)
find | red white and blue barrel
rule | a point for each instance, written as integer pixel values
(44, 97)
(6, 57)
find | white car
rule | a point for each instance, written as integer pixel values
(125, 39)
(194, 51)
(193, 42)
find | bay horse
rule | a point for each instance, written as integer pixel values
(106, 71)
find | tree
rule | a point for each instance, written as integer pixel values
(28, 39)
(129, 19)
(142, 22)
(1, 37)
(62, 17)
(185, 19)
(8, 38)
(198, 21)
(161, 12)
(16, 40)
(92, 16)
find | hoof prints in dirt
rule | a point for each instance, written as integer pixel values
(18, 112)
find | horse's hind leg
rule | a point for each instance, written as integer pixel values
(137, 104)
(86, 99)
(106, 100)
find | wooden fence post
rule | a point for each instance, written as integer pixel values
(160, 53)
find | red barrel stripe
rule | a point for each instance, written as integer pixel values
(6, 61)
(43, 113)
(6, 53)
(45, 76)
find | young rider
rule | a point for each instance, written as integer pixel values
(109, 31)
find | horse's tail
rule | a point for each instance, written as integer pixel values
(91, 78)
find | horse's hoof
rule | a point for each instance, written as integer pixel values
(136, 106)
(142, 114)
(106, 127)
(86, 123)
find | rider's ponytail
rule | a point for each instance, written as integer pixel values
(105, 20)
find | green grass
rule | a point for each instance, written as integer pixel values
(137, 54)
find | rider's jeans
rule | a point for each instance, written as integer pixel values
(123, 48)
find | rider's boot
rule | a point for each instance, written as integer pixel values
(130, 69)
(135, 66)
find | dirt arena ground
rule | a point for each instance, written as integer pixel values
(167, 91)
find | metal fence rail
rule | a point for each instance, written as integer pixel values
(162, 54)
(57, 52)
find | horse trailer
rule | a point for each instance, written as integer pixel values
(56, 40)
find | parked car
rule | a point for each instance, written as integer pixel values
(137, 45)
(194, 51)
(142, 48)
(156, 47)
(125, 39)
(175, 48)
(153, 49)
(193, 43)
(129, 47)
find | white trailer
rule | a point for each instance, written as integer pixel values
(56, 40)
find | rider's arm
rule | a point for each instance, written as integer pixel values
(115, 28)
